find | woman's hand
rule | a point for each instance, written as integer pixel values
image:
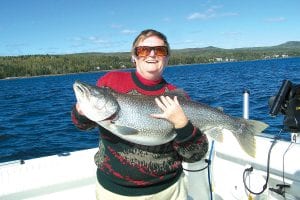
(172, 111)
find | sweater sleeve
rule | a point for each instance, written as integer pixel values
(190, 143)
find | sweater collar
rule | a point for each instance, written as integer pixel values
(147, 84)
(146, 81)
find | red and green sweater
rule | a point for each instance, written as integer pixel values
(131, 169)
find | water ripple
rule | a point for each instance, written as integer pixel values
(35, 112)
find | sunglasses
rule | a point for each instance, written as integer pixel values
(143, 51)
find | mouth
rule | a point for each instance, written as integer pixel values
(151, 61)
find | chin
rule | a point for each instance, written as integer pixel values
(155, 75)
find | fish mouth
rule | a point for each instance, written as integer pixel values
(112, 118)
(80, 87)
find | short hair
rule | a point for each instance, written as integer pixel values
(147, 33)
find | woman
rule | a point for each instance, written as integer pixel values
(131, 171)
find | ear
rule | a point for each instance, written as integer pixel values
(133, 60)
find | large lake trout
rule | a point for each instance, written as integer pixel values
(129, 117)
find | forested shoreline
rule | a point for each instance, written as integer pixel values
(37, 65)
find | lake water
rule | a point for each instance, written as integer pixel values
(35, 112)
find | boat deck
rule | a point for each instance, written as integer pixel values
(73, 175)
(53, 177)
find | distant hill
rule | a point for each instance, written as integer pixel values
(291, 48)
(287, 45)
(35, 65)
(290, 44)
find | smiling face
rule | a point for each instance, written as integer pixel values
(151, 66)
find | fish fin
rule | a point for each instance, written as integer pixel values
(215, 133)
(177, 92)
(247, 143)
(247, 139)
(257, 126)
(220, 109)
(118, 129)
(125, 130)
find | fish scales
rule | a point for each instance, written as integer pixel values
(129, 117)
(135, 111)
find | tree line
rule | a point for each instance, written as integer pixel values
(36, 65)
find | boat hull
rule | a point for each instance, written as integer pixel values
(73, 174)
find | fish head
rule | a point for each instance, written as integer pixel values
(96, 103)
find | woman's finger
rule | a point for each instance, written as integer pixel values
(160, 104)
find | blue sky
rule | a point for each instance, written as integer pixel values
(30, 27)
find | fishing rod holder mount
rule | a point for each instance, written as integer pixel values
(287, 102)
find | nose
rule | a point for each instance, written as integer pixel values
(152, 52)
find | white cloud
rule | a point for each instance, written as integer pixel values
(128, 31)
(77, 42)
(198, 15)
(229, 14)
(96, 40)
(231, 33)
(116, 26)
(76, 39)
(276, 19)
(211, 12)
(166, 19)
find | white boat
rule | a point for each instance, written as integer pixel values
(231, 174)
(235, 175)
(72, 175)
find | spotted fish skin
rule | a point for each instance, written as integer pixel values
(129, 117)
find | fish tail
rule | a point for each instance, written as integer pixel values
(246, 139)
(256, 126)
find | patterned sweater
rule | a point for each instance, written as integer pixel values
(131, 169)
